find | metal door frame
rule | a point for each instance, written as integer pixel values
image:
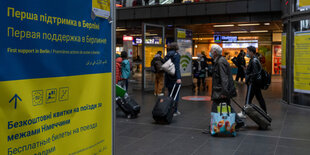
(144, 25)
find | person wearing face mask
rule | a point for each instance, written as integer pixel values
(223, 88)
(252, 75)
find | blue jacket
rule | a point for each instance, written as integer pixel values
(175, 58)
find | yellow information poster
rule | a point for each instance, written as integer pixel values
(181, 33)
(55, 79)
(304, 3)
(301, 62)
(283, 61)
(150, 52)
(101, 8)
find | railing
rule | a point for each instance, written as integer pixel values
(139, 3)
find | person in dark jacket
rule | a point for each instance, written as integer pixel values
(252, 75)
(171, 80)
(200, 68)
(223, 87)
(156, 64)
(241, 66)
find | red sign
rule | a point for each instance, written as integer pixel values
(127, 38)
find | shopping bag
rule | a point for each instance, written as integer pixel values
(169, 67)
(223, 122)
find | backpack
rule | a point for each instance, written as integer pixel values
(158, 65)
(265, 79)
(125, 69)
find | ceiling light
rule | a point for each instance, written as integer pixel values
(239, 32)
(230, 25)
(136, 35)
(259, 31)
(150, 34)
(121, 29)
(266, 23)
(254, 24)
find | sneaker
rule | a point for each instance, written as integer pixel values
(177, 113)
(241, 115)
(161, 94)
(155, 94)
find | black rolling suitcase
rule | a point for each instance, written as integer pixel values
(258, 115)
(165, 107)
(129, 106)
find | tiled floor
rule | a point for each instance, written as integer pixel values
(288, 135)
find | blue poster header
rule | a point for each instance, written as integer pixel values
(41, 39)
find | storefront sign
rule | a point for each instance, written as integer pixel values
(283, 62)
(55, 78)
(277, 59)
(301, 62)
(239, 45)
(127, 38)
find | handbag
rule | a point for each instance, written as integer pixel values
(169, 67)
(223, 122)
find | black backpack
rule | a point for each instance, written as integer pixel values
(158, 65)
(265, 79)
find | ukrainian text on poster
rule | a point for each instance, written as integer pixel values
(55, 81)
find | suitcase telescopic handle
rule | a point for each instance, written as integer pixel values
(248, 94)
(247, 98)
(237, 103)
(176, 93)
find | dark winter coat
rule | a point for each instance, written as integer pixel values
(222, 80)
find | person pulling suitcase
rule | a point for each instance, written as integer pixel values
(165, 106)
(253, 75)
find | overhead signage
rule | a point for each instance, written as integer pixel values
(219, 38)
(55, 78)
(229, 38)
